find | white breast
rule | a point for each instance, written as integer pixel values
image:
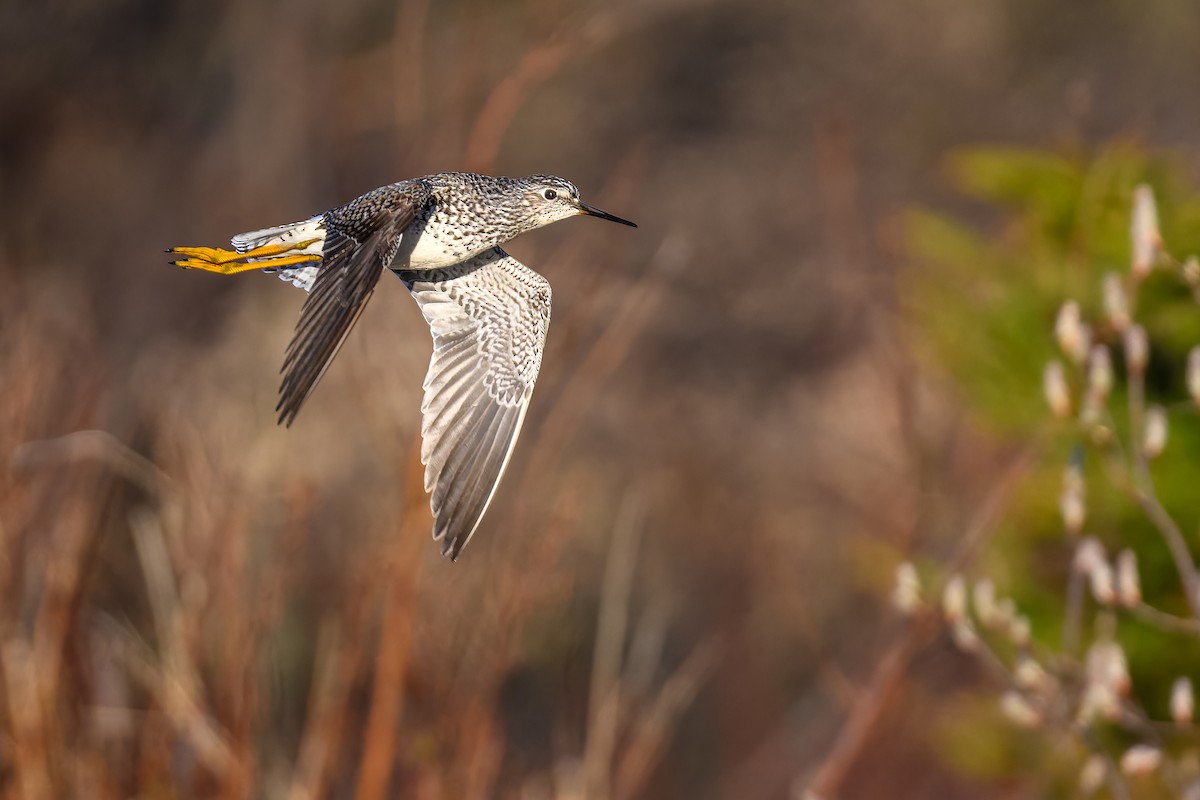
(435, 244)
(420, 250)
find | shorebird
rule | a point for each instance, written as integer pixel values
(488, 312)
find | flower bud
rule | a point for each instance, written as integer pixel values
(1144, 232)
(1137, 349)
(906, 595)
(1129, 586)
(963, 633)
(1107, 665)
(1100, 371)
(1006, 611)
(1099, 702)
(1141, 759)
(1154, 433)
(1183, 701)
(1031, 677)
(954, 599)
(1071, 501)
(1116, 302)
(1193, 374)
(1019, 711)
(983, 595)
(1073, 336)
(1191, 271)
(1091, 777)
(1054, 384)
(1106, 680)
(1102, 583)
(1088, 555)
(1018, 630)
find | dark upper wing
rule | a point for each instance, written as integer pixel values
(360, 241)
(488, 317)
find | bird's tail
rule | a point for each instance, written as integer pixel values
(269, 249)
(311, 230)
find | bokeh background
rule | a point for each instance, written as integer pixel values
(740, 428)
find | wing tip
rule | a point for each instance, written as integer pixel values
(451, 548)
(452, 544)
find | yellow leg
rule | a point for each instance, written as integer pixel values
(234, 267)
(210, 255)
(229, 262)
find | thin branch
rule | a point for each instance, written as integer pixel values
(650, 735)
(1173, 536)
(1117, 786)
(1140, 488)
(395, 639)
(604, 700)
(873, 699)
(1145, 494)
(1166, 622)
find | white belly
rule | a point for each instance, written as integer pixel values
(424, 252)
(436, 246)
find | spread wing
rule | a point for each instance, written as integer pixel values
(360, 241)
(488, 317)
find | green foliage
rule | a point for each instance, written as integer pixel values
(983, 294)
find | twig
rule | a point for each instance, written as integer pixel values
(1140, 488)
(653, 730)
(95, 445)
(326, 712)
(872, 700)
(604, 700)
(1173, 536)
(1167, 622)
(391, 661)
(868, 708)
(28, 759)
(1112, 774)
(1145, 494)
(173, 679)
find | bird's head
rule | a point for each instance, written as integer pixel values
(551, 198)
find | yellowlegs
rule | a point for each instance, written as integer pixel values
(488, 313)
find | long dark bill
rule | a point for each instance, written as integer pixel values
(592, 211)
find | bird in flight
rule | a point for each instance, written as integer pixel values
(488, 312)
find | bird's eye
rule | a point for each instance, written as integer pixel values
(549, 194)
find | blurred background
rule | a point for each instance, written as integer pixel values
(751, 409)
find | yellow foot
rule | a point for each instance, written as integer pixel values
(229, 262)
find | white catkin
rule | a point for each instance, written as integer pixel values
(1054, 384)
(1144, 232)
(906, 595)
(1074, 337)
(1141, 759)
(1091, 777)
(1116, 302)
(954, 599)
(1193, 374)
(1137, 349)
(1019, 711)
(1154, 432)
(1100, 371)
(1088, 554)
(1129, 585)
(1183, 701)
(1072, 503)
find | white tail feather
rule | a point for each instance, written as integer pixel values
(282, 234)
(300, 275)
